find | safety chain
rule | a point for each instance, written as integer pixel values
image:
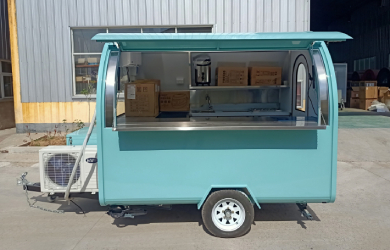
(38, 207)
(24, 182)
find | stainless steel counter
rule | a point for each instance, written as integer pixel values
(212, 123)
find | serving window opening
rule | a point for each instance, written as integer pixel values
(204, 90)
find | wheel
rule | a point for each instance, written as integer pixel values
(228, 213)
(52, 198)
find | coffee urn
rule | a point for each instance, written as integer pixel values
(202, 66)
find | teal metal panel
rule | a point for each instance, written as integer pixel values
(238, 187)
(333, 112)
(100, 118)
(77, 137)
(216, 41)
(180, 167)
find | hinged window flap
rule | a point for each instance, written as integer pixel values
(217, 41)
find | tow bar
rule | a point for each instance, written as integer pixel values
(304, 213)
(132, 211)
(125, 212)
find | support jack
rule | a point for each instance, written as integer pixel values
(304, 213)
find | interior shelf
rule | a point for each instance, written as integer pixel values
(236, 87)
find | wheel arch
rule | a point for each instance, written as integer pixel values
(243, 188)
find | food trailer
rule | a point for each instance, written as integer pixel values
(223, 121)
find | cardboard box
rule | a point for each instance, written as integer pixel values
(354, 94)
(141, 98)
(232, 76)
(365, 103)
(367, 83)
(368, 93)
(354, 103)
(382, 91)
(175, 101)
(265, 76)
(386, 99)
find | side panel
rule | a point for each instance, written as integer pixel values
(180, 167)
(100, 116)
(333, 112)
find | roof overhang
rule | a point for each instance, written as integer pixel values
(218, 41)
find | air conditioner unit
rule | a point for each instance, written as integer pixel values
(56, 164)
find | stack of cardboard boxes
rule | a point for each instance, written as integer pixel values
(363, 93)
(243, 76)
(366, 96)
(144, 99)
(354, 101)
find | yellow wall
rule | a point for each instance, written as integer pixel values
(15, 60)
(56, 112)
(44, 112)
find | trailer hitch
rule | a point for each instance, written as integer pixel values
(304, 213)
(125, 212)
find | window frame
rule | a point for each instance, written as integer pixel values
(73, 54)
(2, 74)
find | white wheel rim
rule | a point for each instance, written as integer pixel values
(228, 214)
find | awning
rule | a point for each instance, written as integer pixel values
(217, 41)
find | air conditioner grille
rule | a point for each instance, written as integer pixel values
(58, 168)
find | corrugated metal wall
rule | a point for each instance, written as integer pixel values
(44, 30)
(369, 27)
(5, 53)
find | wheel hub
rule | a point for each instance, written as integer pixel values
(228, 214)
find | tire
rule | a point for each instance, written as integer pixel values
(228, 214)
(52, 198)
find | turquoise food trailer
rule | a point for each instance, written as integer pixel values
(236, 147)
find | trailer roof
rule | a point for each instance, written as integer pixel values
(217, 41)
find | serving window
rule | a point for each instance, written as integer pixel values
(214, 91)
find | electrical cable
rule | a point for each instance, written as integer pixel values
(78, 206)
(76, 165)
(311, 102)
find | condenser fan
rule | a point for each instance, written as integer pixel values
(59, 168)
